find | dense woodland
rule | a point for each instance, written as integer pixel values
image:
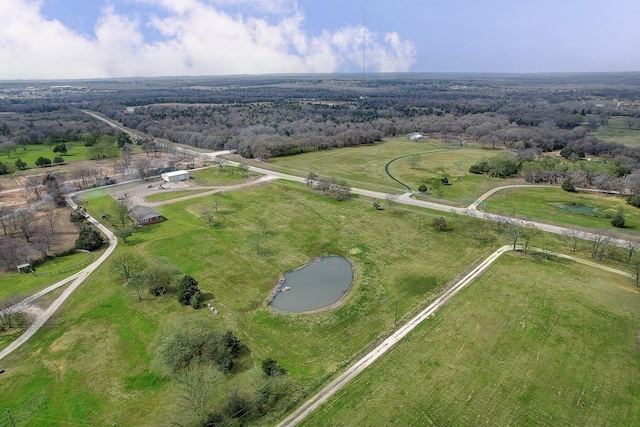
(269, 116)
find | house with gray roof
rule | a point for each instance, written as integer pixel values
(144, 215)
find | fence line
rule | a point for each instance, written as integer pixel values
(66, 269)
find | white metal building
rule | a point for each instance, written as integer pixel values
(175, 176)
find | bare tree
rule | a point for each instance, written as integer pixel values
(33, 189)
(51, 216)
(243, 168)
(141, 166)
(6, 220)
(571, 237)
(43, 240)
(220, 162)
(127, 266)
(209, 216)
(8, 314)
(24, 221)
(512, 228)
(632, 246)
(391, 201)
(600, 242)
(198, 384)
(414, 161)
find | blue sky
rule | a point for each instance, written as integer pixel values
(122, 38)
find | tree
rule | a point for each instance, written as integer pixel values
(120, 211)
(439, 224)
(422, 188)
(124, 233)
(243, 168)
(127, 266)
(141, 166)
(89, 238)
(391, 201)
(197, 390)
(23, 220)
(311, 179)
(42, 162)
(60, 148)
(209, 216)
(4, 169)
(52, 219)
(618, 219)
(186, 290)
(33, 188)
(272, 369)
(567, 185)
(20, 164)
(511, 228)
(10, 317)
(414, 161)
(634, 263)
(58, 160)
(572, 237)
(53, 184)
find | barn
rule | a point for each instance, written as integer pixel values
(175, 176)
(144, 215)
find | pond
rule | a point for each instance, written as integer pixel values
(314, 286)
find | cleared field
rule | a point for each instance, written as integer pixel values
(216, 177)
(102, 342)
(618, 131)
(362, 166)
(514, 348)
(555, 206)
(76, 151)
(170, 195)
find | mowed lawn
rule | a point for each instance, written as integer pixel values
(94, 364)
(529, 343)
(75, 151)
(556, 206)
(361, 167)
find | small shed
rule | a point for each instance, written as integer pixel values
(175, 176)
(25, 268)
(144, 215)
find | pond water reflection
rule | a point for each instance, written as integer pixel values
(315, 286)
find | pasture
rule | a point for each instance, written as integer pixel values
(556, 206)
(76, 151)
(102, 342)
(364, 167)
(531, 342)
(618, 131)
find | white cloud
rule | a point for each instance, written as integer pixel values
(199, 39)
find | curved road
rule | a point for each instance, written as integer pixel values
(76, 280)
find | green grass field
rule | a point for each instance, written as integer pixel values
(364, 167)
(514, 348)
(170, 195)
(216, 177)
(618, 131)
(28, 284)
(555, 206)
(103, 338)
(76, 151)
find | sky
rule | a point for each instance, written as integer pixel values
(81, 39)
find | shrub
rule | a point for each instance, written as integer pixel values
(439, 224)
(89, 238)
(422, 188)
(618, 220)
(20, 164)
(187, 289)
(634, 201)
(272, 369)
(567, 185)
(42, 162)
(58, 160)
